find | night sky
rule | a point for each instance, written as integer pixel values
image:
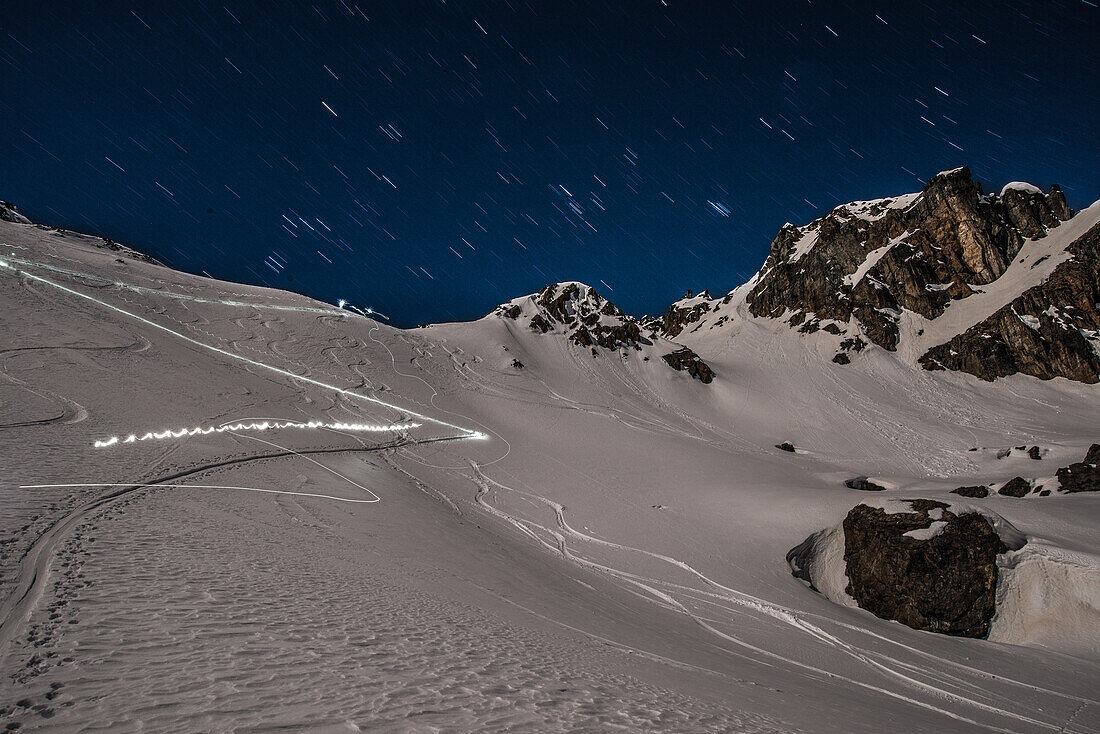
(433, 159)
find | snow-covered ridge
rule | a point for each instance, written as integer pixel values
(9, 213)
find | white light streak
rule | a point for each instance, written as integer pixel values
(266, 425)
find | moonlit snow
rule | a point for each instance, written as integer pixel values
(588, 543)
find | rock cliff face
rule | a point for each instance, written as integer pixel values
(869, 260)
(680, 314)
(930, 568)
(590, 321)
(877, 272)
(1050, 330)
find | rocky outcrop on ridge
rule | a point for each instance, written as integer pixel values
(590, 321)
(1050, 330)
(680, 314)
(685, 360)
(588, 318)
(868, 260)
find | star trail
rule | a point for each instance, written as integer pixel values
(432, 159)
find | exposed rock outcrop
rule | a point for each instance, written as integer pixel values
(586, 317)
(919, 252)
(929, 568)
(688, 310)
(1015, 487)
(685, 360)
(1083, 476)
(590, 321)
(864, 484)
(974, 491)
(1050, 330)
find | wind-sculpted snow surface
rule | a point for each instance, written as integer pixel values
(583, 544)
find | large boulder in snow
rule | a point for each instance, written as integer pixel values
(940, 566)
(928, 564)
(928, 568)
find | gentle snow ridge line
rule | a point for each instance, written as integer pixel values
(467, 433)
(184, 297)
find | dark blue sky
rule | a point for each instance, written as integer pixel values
(432, 159)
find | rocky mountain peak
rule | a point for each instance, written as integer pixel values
(859, 266)
(589, 320)
(578, 310)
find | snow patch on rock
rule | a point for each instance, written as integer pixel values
(1021, 186)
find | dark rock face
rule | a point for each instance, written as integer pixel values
(1050, 330)
(946, 583)
(1035, 453)
(920, 252)
(686, 360)
(1015, 487)
(684, 312)
(1082, 476)
(1031, 212)
(864, 484)
(924, 251)
(977, 491)
(785, 446)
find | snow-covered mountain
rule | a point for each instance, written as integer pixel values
(990, 284)
(225, 507)
(589, 321)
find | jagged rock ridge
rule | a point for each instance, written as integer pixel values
(590, 321)
(875, 272)
(869, 260)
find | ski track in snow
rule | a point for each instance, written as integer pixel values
(889, 666)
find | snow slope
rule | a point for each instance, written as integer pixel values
(587, 543)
